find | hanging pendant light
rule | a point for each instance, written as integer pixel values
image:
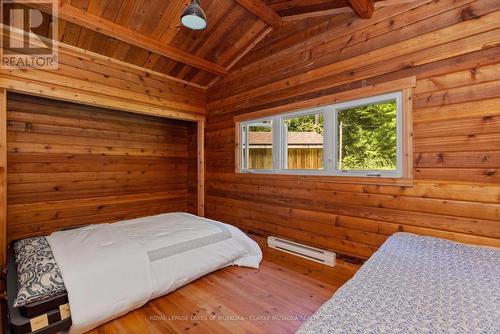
(193, 16)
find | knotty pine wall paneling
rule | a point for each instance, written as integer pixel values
(452, 47)
(71, 164)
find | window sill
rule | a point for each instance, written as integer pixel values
(381, 181)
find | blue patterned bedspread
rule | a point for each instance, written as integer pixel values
(416, 284)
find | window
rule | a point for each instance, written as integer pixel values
(258, 145)
(368, 136)
(304, 142)
(354, 138)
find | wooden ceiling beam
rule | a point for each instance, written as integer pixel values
(297, 7)
(124, 34)
(341, 10)
(364, 8)
(262, 11)
(317, 13)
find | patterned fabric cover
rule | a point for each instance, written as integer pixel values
(38, 274)
(415, 284)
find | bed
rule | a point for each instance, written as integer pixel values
(416, 284)
(111, 269)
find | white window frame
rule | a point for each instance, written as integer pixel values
(330, 154)
(244, 139)
(283, 145)
(398, 173)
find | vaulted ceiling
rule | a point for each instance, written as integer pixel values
(148, 33)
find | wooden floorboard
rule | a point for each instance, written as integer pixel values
(276, 298)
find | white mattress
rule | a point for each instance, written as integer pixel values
(111, 269)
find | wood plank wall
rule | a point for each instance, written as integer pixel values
(71, 164)
(93, 79)
(452, 47)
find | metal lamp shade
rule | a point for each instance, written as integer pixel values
(193, 16)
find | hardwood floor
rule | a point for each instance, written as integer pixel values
(276, 298)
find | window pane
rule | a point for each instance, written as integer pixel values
(304, 142)
(260, 145)
(367, 137)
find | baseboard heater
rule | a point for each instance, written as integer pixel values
(304, 251)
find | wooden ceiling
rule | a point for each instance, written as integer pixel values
(148, 33)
